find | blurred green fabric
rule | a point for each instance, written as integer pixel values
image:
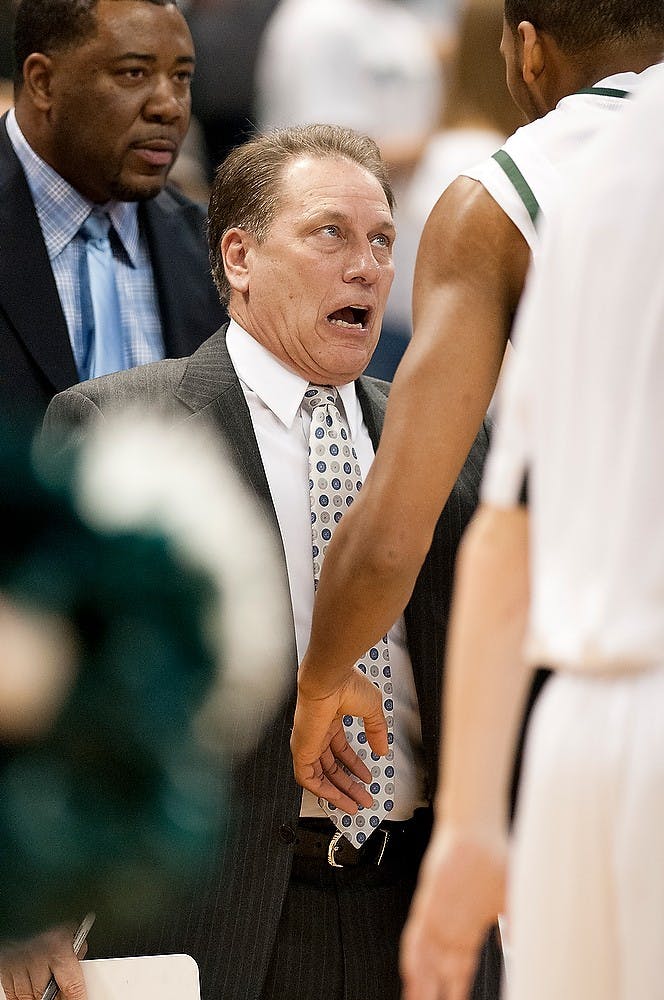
(116, 807)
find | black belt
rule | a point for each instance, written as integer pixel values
(391, 844)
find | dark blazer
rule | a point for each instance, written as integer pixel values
(36, 359)
(230, 926)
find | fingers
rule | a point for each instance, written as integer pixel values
(332, 778)
(69, 977)
(342, 750)
(24, 974)
(26, 968)
(323, 761)
(349, 793)
(314, 778)
(342, 801)
(375, 727)
(20, 986)
(327, 779)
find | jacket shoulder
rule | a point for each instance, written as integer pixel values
(171, 199)
(150, 387)
(375, 388)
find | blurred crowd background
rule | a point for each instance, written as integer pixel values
(423, 77)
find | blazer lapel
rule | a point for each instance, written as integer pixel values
(28, 293)
(212, 391)
(179, 261)
(372, 404)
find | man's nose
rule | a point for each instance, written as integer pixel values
(167, 102)
(362, 265)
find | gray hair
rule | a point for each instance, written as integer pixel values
(246, 188)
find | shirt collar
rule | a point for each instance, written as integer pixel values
(279, 388)
(60, 208)
(630, 81)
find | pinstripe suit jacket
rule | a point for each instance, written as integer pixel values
(230, 926)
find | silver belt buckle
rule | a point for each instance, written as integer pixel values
(332, 847)
(334, 843)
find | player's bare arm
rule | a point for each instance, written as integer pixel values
(470, 272)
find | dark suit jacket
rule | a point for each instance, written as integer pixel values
(230, 926)
(36, 359)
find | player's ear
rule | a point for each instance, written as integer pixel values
(533, 59)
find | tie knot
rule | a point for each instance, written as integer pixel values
(319, 395)
(96, 227)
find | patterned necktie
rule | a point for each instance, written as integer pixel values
(334, 482)
(100, 306)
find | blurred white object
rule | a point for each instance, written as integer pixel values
(138, 472)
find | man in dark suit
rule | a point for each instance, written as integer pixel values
(301, 238)
(102, 105)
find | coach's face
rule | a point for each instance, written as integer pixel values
(314, 290)
(117, 105)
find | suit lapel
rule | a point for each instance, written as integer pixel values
(178, 264)
(212, 391)
(372, 404)
(28, 293)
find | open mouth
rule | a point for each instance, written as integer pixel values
(350, 317)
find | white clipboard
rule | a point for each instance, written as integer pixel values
(153, 977)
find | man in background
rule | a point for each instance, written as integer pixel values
(102, 94)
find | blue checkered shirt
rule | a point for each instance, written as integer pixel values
(61, 211)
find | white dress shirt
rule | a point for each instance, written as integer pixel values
(274, 395)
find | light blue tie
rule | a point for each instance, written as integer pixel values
(100, 306)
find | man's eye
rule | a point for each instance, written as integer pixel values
(382, 240)
(331, 230)
(134, 72)
(184, 76)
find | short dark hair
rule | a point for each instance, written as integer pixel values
(54, 25)
(582, 25)
(245, 191)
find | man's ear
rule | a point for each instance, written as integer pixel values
(37, 76)
(234, 246)
(533, 58)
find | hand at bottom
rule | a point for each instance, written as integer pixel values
(461, 891)
(26, 966)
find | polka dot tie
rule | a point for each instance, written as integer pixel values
(335, 479)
